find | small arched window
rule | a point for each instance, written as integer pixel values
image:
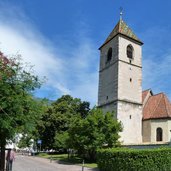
(109, 54)
(159, 134)
(130, 51)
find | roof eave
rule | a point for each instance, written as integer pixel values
(167, 117)
(137, 41)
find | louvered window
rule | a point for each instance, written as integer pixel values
(130, 51)
(109, 55)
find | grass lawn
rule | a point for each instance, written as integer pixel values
(64, 158)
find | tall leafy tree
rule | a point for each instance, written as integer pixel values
(57, 120)
(95, 131)
(18, 108)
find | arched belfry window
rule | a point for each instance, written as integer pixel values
(109, 55)
(159, 134)
(130, 51)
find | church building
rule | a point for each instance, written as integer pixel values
(146, 118)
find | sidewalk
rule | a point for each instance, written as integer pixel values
(31, 163)
(61, 163)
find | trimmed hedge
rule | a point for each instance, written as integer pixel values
(126, 159)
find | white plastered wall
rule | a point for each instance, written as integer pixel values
(165, 124)
(108, 75)
(130, 93)
(130, 90)
(115, 87)
(131, 118)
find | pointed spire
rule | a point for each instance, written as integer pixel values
(122, 29)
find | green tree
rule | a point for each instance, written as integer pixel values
(58, 118)
(95, 131)
(25, 141)
(61, 140)
(18, 108)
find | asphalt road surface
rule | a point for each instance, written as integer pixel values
(29, 163)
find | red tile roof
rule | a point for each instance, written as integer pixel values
(157, 106)
(144, 94)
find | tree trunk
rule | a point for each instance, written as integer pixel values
(92, 155)
(2, 154)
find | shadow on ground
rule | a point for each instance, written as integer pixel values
(68, 163)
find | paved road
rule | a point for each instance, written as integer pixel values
(29, 163)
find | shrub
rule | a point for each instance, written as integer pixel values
(124, 159)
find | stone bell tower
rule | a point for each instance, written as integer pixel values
(120, 80)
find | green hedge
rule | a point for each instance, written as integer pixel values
(125, 159)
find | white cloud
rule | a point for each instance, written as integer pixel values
(75, 74)
(72, 66)
(157, 73)
(157, 60)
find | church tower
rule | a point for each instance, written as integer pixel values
(120, 80)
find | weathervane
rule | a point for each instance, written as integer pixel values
(121, 13)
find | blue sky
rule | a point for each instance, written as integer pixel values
(61, 38)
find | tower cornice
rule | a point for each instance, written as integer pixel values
(120, 100)
(120, 34)
(119, 60)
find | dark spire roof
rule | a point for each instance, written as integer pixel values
(122, 28)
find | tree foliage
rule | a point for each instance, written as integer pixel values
(69, 123)
(61, 140)
(18, 108)
(25, 141)
(95, 131)
(58, 118)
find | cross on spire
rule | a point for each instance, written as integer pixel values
(121, 13)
